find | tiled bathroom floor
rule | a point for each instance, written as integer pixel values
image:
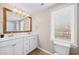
(38, 52)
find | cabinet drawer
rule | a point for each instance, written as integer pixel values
(6, 43)
(10, 42)
(32, 36)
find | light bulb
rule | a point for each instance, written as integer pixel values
(27, 15)
(20, 12)
(15, 10)
(24, 13)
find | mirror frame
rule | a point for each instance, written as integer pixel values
(5, 22)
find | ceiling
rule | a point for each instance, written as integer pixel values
(30, 7)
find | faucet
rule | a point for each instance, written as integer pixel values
(11, 34)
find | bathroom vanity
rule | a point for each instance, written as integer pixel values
(18, 36)
(18, 44)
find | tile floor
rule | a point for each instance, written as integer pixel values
(38, 52)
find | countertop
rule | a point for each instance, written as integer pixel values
(16, 36)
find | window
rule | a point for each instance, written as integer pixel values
(62, 23)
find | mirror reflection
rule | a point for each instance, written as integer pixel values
(16, 22)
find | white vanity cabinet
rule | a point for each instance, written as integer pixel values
(21, 45)
(6, 49)
(11, 47)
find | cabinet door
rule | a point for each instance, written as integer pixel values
(18, 47)
(6, 50)
(33, 42)
(26, 45)
(13, 47)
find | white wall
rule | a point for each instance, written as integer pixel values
(78, 23)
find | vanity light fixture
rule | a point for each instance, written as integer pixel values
(20, 12)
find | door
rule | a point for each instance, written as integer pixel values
(33, 42)
(18, 47)
(6, 50)
(26, 45)
(12, 47)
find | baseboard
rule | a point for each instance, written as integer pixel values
(45, 51)
(75, 46)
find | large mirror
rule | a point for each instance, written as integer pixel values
(15, 23)
(1, 28)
